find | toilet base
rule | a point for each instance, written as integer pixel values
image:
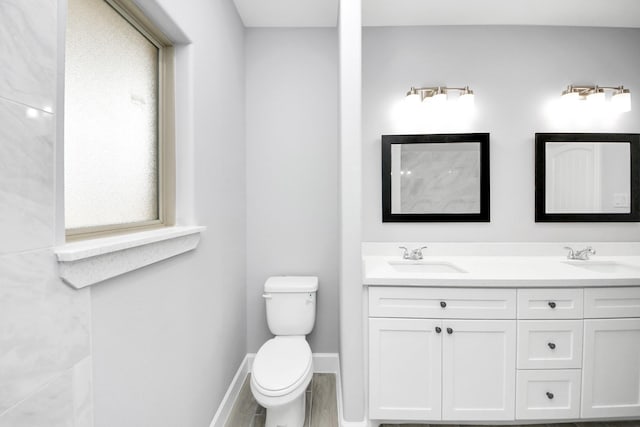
(289, 415)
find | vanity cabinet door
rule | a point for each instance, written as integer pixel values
(611, 368)
(479, 369)
(405, 359)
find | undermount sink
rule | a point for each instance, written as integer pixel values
(424, 266)
(604, 266)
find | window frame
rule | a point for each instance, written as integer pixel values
(165, 131)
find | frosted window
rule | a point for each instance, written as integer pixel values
(111, 119)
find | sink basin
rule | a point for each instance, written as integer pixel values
(605, 267)
(424, 266)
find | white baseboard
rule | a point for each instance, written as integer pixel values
(220, 418)
(322, 363)
(344, 423)
(328, 363)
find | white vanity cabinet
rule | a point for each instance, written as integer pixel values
(611, 367)
(405, 365)
(478, 369)
(550, 330)
(503, 354)
(441, 353)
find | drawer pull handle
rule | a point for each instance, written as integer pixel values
(449, 331)
(552, 346)
(550, 395)
(438, 329)
(552, 304)
(443, 304)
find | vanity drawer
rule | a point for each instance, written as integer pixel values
(548, 394)
(549, 344)
(611, 302)
(550, 303)
(441, 303)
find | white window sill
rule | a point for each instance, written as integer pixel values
(87, 262)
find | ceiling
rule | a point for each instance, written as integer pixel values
(288, 13)
(324, 13)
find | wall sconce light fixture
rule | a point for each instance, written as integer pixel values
(439, 94)
(595, 95)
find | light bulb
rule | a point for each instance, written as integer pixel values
(412, 99)
(439, 98)
(596, 97)
(570, 97)
(467, 99)
(621, 101)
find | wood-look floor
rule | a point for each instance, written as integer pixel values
(322, 410)
(321, 401)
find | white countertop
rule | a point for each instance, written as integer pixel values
(505, 271)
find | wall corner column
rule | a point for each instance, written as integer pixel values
(350, 217)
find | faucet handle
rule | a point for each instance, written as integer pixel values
(586, 252)
(405, 252)
(571, 254)
(417, 253)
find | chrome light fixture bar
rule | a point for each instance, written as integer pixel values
(439, 94)
(620, 97)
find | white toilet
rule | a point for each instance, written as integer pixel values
(283, 367)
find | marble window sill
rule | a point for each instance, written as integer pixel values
(85, 263)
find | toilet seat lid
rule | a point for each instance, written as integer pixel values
(281, 363)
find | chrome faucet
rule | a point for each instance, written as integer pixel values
(415, 254)
(582, 254)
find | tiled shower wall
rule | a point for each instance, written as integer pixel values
(45, 353)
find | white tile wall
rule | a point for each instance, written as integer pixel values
(45, 326)
(56, 404)
(26, 177)
(28, 52)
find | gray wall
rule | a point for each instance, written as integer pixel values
(517, 74)
(170, 337)
(292, 159)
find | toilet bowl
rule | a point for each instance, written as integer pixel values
(281, 373)
(283, 366)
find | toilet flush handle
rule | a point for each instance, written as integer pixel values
(309, 298)
(266, 296)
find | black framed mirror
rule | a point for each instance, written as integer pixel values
(587, 177)
(435, 178)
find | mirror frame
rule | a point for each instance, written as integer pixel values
(389, 140)
(540, 179)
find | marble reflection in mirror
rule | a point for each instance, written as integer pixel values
(435, 178)
(587, 177)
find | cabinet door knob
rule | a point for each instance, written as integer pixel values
(443, 304)
(550, 395)
(552, 346)
(438, 329)
(552, 304)
(449, 331)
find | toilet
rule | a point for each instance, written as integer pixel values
(283, 367)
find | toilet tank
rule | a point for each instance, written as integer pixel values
(291, 304)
